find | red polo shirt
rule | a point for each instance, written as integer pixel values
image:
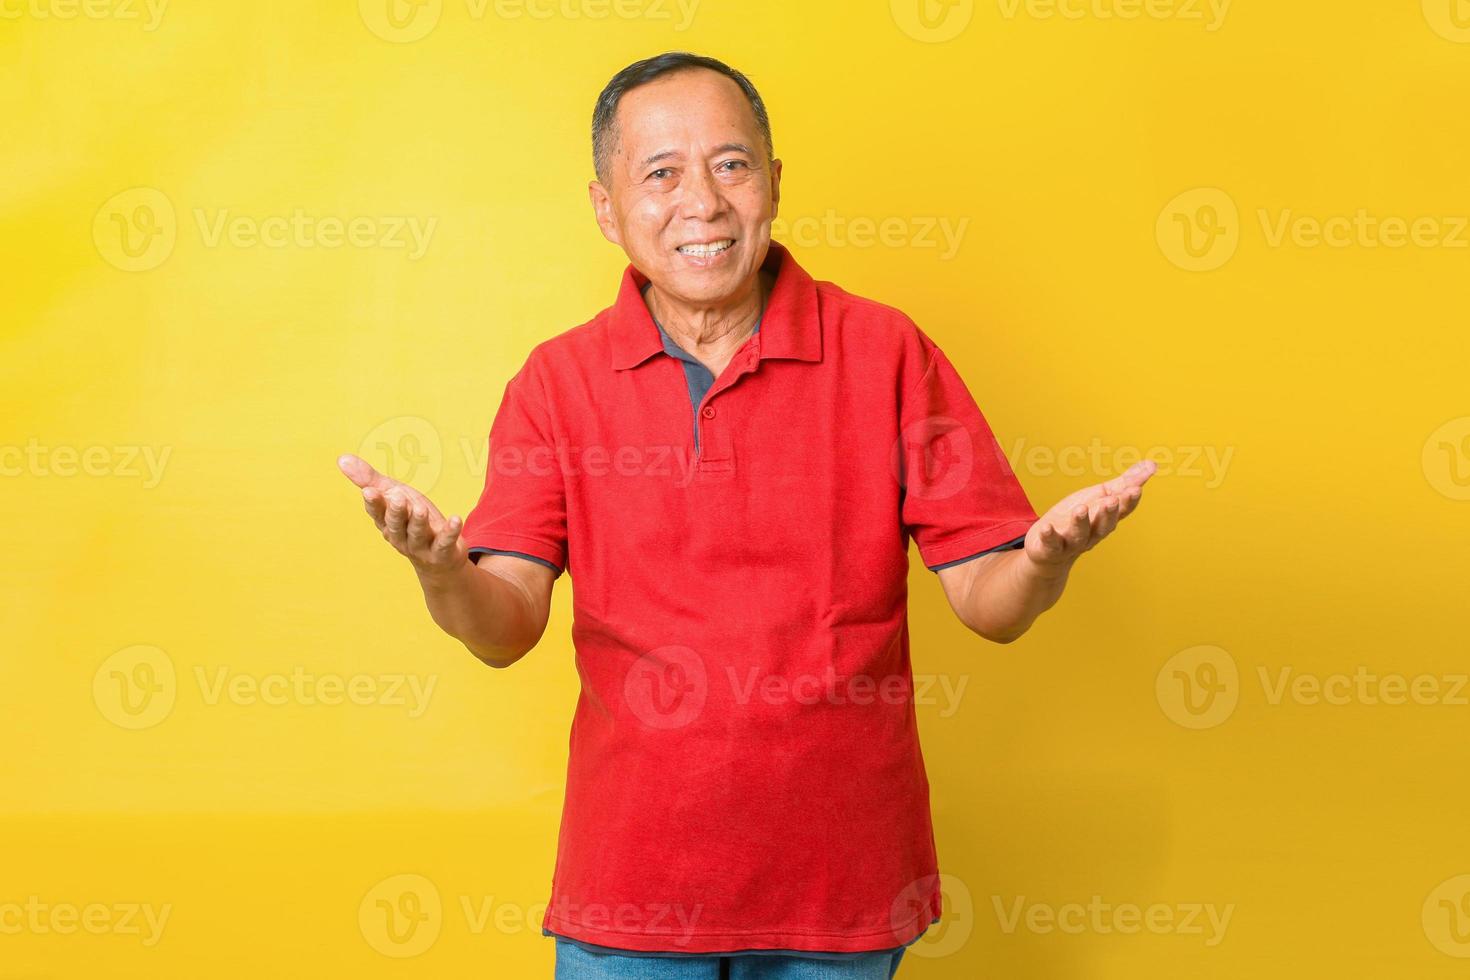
(744, 767)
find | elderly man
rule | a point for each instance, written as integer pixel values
(730, 461)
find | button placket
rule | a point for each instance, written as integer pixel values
(713, 445)
(714, 439)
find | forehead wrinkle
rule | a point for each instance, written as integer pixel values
(734, 127)
(675, 154)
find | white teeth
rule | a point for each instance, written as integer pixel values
(714, 248)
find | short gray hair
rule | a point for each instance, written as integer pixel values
(604, 116)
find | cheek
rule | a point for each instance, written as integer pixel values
(648, 214)
(751, 202)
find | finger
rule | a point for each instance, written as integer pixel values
(376, 507)
(396, 520)
(1134, 476)
(444, 541)
(1078, 529)
(436, 517)
(420, 536)
(1130, 501)
(1052, 543)
(1105, 519)
(1101, 508)
(360, 472)
(412, 498)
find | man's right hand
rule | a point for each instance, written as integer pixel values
(408, 520)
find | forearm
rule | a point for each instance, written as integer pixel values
(1007, 592)
(490, 615)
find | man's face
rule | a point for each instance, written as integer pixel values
(689, 176)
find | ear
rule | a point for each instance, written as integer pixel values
(775, 187)
(602, 210)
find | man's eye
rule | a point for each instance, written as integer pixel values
(738, 163)
(660, 170)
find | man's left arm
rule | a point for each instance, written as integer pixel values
(1000, 594)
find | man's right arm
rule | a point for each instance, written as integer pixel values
(497, 609)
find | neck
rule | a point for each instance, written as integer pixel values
(700, 328)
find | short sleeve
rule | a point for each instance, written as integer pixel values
(522, 509)
(960, 496)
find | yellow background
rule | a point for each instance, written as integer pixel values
(1327, 382)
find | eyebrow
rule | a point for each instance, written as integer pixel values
(722, 148)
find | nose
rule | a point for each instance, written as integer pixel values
(700, 195)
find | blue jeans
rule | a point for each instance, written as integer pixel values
(575, 963)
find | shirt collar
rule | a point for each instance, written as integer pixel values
(789, 326)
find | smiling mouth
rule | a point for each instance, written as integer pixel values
(706, 249)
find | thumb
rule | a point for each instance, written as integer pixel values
(361, 472)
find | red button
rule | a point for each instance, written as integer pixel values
(709, 412)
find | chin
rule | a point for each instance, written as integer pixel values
(709, 286)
